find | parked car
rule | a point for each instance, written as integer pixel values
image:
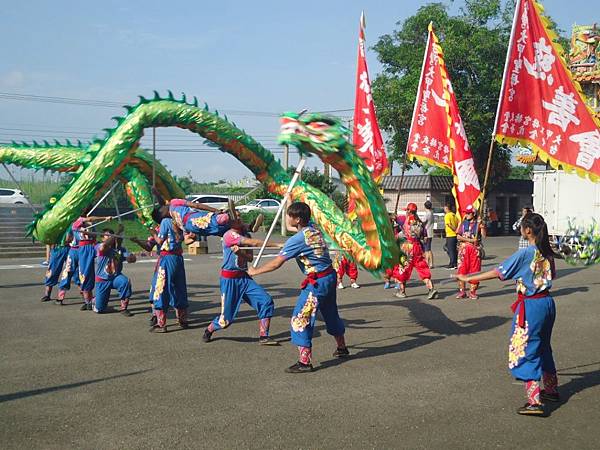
(216, 201)
(12, 196)
(260, 204)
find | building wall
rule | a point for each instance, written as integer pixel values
(418, 197)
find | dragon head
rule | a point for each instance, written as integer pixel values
(318, 132)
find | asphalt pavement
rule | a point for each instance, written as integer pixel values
(423, 373)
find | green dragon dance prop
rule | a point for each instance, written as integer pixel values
(370, 241)
(135, 176)
(95, 167)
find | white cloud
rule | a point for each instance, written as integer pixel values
(12, 79)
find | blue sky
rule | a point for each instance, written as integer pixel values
(260, 56)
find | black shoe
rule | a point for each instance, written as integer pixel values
(432, 294)
(267, 340)
(84, 307)
(59, 302)
(153, 320)
(341, 352)
(126, 313)
(207, 337)
(157, 329)
(531, 410)
(549, 397)
(299, 368)
(183, 325)
(89, 306)
(45, 298)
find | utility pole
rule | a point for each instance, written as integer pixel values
(154, 157)
(286, 162)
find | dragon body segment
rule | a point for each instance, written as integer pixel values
(96, 166)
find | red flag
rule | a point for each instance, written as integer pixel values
(541, 106)
(366, 135)
(437, 135)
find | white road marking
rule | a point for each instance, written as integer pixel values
(36, 266)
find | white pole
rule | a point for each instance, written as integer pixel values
(412, 122)
(503, 87)
(125, 214)
(281, 207)
(102, 199)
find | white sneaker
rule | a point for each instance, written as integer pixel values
(340, 286)
(355, 285)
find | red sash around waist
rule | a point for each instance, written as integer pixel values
(311, 278)
(519, 304)
(87, 242)
(178, 252)
(229, 274)
(186, 217)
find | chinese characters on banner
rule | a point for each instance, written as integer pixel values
(366, 135)
(542, 106)
(437, 135)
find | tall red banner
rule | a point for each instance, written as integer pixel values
(541, 106)
(437, 135)
(366, 135)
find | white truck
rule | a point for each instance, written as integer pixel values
(560, 196)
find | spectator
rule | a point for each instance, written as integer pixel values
(493, 219)
(428, 224)
(523, 242)
(451, 223)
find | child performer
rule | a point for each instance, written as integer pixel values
(169, 286)
(413, 232)
(530, 353)
(58, 257)
(469, 258)
(317, 290)
(109, 272)
(87, 255)
(238, 286)
(347, 266)
(70, 268)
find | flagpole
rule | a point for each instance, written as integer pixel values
(412, 122)
(502, 90)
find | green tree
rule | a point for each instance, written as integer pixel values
(521, 172)
(474, 43)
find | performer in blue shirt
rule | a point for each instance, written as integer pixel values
(237, 286)
(318, 290)
(109, 268)
(530, 356)
(169, 287)
(58, 257)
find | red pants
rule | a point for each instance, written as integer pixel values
(469, 260)
(414, 260)
(347, 267)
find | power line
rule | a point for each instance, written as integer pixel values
(119, 104)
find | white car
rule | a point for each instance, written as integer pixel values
(216, 201)
(12, 196)
(267, 205)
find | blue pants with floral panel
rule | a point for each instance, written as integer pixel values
(318, 297)
(530, 352)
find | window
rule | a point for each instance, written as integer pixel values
(6, 192)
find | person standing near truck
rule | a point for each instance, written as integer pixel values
(451, 223)
(523, 242)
